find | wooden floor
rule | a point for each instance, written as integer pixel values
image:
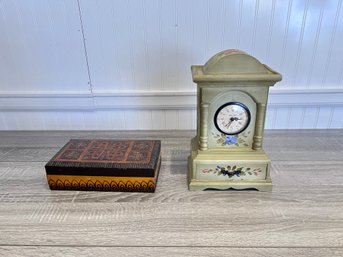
(302, 216)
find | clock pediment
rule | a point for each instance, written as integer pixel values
(233, 62)
(234, 66)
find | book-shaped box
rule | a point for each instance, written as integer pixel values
(106, 165)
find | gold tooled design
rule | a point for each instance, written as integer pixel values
(124, 184)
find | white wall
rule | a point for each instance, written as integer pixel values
(68, 64)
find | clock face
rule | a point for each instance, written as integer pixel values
(232, 118)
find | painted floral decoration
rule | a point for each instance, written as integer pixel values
(233, 171)
(230, 140)
(237, 140)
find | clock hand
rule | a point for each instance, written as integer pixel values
(228, 125)
(232, 119)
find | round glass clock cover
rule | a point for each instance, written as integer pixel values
(232, 118)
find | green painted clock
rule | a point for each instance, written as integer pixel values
(232, 94)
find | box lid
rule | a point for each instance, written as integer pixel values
(122, 158)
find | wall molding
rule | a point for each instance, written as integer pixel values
(152, 100)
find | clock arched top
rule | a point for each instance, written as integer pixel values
(234, 66)
(233, 61)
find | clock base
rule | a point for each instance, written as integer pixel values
(263, 186)
(219, 170)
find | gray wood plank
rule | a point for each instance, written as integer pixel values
(304, 210)
(293, 182)
(59, 138)
(294, 214)
(279, 144)
(170, 224)
(167, 251)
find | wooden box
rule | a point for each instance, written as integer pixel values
(106, 165)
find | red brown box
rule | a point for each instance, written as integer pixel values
(106, 165)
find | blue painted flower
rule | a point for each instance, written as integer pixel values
(237, 173)
(230, 140)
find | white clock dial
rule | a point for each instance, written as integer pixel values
(232, 118)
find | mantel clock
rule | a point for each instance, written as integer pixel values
(232, 95)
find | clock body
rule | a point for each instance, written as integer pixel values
(227, 152)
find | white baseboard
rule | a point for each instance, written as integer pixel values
(152, 100)
(287, 109)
